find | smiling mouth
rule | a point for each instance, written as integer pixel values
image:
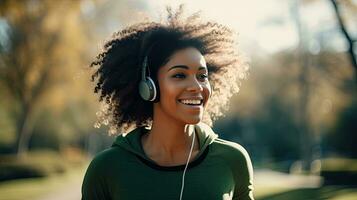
(192, 102)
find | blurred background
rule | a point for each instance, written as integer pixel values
(296, 114)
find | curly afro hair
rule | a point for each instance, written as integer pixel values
(118, 67)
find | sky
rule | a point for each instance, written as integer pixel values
(268, 24)
(246, 18)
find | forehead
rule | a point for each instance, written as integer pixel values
(190, 57)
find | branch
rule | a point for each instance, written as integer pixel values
(347, 36)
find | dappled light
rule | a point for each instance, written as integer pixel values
(295, 110)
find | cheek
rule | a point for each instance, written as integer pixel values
(168, 91)
(207, 90)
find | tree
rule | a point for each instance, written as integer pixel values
(32, 57)
(350, 40)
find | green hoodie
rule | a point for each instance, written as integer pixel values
(221, 170)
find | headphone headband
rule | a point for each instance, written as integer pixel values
(143, 68)
(147, 87)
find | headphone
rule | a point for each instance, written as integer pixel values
(147, 87)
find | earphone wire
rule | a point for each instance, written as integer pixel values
(188, 160)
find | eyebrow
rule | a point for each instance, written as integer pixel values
(185, 67)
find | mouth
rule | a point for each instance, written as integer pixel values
(191, 102)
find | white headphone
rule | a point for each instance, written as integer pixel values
(188, 160)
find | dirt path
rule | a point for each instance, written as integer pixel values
(268, 177)
(71, 191)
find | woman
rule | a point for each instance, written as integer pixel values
(168, 81)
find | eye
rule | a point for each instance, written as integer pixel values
(180, 76)
(202, 76)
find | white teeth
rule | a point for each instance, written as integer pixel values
(191, 102)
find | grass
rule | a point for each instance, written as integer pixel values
(36, 187)
(322, 193)
(338, 164)
(263, 191)
(335, 168)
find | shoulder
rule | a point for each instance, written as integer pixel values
(96, 182)
(230, 149)
(103, 161)
(233, 153)
(100, 161)
(103, 155)
(240, 163)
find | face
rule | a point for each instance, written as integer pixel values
(184, 87)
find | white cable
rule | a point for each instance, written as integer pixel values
(188, 160)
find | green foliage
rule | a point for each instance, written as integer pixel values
(342, 138)
(66, 127)
(37, 164)
(339, 164)
(271, 132)
(339, 171)
(276, 128)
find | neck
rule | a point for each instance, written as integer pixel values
(170, 137)
(168, 140)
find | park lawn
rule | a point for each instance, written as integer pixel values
(322, 193)
(37, 187)
(263, 191)
(33, 188)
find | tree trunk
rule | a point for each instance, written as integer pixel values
(305, 137)
(23, 132)
(306, 140)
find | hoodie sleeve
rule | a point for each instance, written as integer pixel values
(243, 175)
(94, 186)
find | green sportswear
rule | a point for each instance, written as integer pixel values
(221, 170)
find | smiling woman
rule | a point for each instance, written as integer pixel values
(184, 88)
(168, 81)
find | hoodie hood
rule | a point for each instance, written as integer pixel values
(132, 141)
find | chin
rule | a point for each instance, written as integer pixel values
(193, 120)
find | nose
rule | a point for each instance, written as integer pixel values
(195, 85)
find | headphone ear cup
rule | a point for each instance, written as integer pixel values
(147, 89)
